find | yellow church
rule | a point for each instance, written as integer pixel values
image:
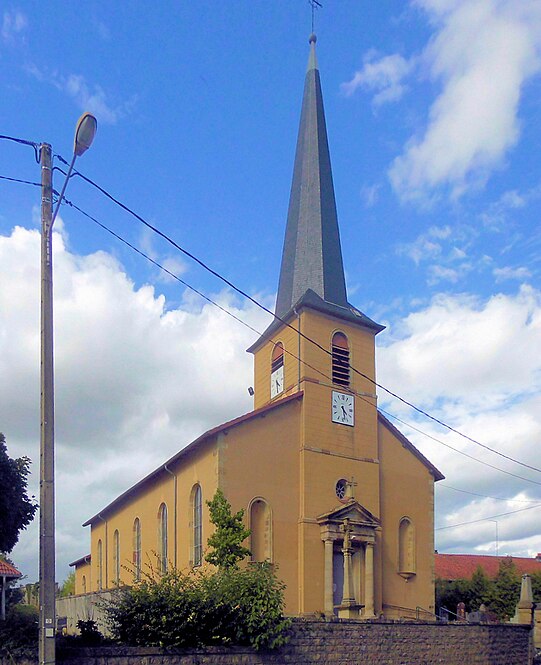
(333, 493)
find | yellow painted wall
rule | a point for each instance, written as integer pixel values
(407, 489)
(200, 467)
(262, 363)
(260, 458)
(83, 569)
(292, 457)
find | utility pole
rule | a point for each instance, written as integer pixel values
(47, 590)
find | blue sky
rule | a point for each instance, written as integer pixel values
(432, 111)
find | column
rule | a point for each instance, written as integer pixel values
(329, 605)
(369, 581)
(348, 593)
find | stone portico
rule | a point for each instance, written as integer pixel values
(349, 536)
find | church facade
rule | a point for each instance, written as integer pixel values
(333, 493)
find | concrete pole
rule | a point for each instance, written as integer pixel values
(46, 514)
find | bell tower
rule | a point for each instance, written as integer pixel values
(312, 300)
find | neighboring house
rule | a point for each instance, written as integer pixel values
(8, 573)
(463, 566)
(322, 475)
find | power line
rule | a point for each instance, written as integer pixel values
(457, 450)
(268, 311)
(486, 519)
(24, 182)
(223, 309)
(32, 144)
(186, 284)
(485, 496)
(290, 353)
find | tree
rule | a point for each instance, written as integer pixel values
(68, 586)
(506, 590)
(226, 541)
(17, 510)
(480, 590)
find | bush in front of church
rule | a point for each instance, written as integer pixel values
(232, 605)
(229, 607)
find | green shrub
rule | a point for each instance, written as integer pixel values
(258, 598)
(19, 633)
(193, 609)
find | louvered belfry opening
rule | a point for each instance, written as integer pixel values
(277, 357)
(340, 359)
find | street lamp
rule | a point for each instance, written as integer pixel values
(84, 135)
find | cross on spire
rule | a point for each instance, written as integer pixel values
(315, 5)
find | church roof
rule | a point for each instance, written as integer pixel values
(188, 449)
(312, 257)
(311, 300)
(438, 475)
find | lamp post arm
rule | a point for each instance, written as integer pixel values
(63, 189)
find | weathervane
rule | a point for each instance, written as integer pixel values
(315, 5)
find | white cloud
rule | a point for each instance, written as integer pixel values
(475, 365)
(13, 24)
(482, 53)
(86, 97)
(370, 195)
(503, 274)
(384, 76)
(135, 382)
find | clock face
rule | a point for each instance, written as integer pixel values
(277, 381)
(343, 408)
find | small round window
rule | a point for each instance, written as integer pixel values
(341, 489)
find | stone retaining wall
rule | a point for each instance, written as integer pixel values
(344, 642)
(326, 643)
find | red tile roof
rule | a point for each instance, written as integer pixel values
(7, 570)
(463, 566)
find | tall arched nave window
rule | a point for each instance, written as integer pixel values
(162, 538)
(261, 528)
(340, 359)
(137, 549)
(116, 557)
(100, 565)
(197, 526)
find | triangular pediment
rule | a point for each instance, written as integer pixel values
(352, 511)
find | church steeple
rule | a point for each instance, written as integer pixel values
(312, 257)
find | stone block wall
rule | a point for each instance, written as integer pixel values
(344, 643)
(347, 643)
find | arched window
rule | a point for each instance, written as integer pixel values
(261, 528)
(340, 359)
(137, 549)
(277, 370)
(100, 565)
(406, 548)
(197, 526)
(116, 557)
(277, 356)
(162, 538)
(83, 583)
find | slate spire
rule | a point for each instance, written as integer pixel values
(312, 257)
